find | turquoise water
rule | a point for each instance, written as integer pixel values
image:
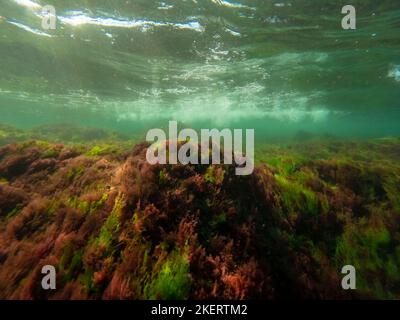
(277, 66)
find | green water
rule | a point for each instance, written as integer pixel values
(130, 65)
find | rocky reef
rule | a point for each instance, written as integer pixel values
(116, 227)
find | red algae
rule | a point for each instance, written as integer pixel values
(116, 227)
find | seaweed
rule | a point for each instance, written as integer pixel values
(117, 227)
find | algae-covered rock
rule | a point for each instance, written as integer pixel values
(116, 227)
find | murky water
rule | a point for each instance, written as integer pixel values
(277, 66)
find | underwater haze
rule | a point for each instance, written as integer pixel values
(276, 66)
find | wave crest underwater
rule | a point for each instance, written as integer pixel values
(279, 67)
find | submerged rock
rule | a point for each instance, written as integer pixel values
(116, 227)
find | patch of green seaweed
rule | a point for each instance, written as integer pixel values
(173, 281)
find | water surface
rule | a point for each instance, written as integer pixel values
(277, 66)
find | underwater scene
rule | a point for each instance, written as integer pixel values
(282, 182)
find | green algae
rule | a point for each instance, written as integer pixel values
(76, 172)
(112, 224)
(214, 175)
(366, 247)
(173, 280)
(88, 207)
(294, 197)
(97, 151)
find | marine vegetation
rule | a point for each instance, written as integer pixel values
(116, 227)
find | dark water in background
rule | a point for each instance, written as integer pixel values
(277, 66)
